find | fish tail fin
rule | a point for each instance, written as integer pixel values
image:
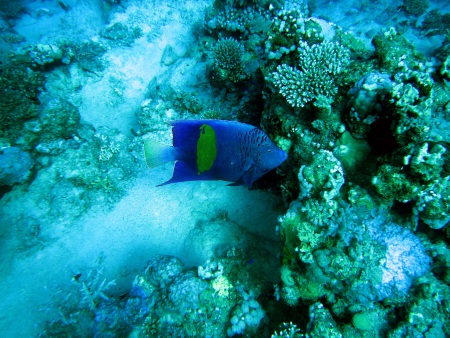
(157, 154)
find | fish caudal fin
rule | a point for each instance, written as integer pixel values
(157, 154)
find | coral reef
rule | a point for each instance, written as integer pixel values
(415, 7)
(121, 35)
(20, 87)
(167, 299)
(88, 56)
(435, 23)
(246, 316)
(15, 166)
(368, 165)
(366, 102)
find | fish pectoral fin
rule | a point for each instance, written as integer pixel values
(235, 184)
(249, 177)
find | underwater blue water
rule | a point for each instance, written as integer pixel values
(347, 236)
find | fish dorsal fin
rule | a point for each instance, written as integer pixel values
(185, 133)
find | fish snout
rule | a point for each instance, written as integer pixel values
(283, 155)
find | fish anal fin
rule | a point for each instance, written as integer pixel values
(181, 173)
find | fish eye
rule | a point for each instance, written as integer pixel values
(269, 151)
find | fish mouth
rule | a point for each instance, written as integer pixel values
(283, 156)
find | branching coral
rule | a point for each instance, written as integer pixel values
(93, 289)
(227, 63)
(228, 54)
(316, 74)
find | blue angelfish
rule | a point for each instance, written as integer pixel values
(216, 150)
